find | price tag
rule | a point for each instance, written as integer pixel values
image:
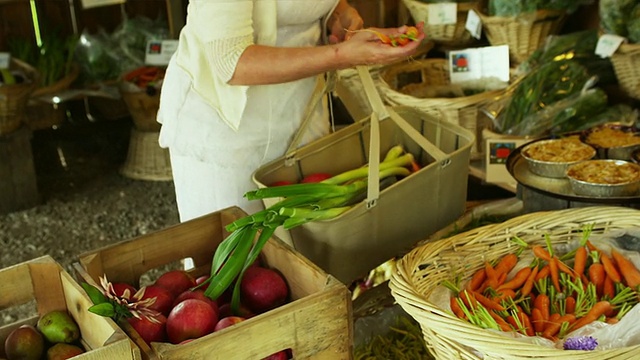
(608, 44)
(159, 52)
(474, 24)
(442, 13)
(5, 59)
(478, 63)
(87, 4)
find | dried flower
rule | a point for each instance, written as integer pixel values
(580, 343)
(122, 306)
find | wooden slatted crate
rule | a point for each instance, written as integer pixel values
(45, 281)
(316, 324)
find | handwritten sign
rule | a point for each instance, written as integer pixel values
(608, 44)
(474, 24)
(442, 13)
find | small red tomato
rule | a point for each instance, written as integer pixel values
(314, 178)
(402, 40)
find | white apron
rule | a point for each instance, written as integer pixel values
(212, 164)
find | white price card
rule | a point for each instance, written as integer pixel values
(5, 59)
(159, 52)
(608, 44)
(474, 24)
(478, 63)
(442, 13)
(87, 4)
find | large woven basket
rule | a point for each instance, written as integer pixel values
(146, 160)
(13, 98)
(420, 272)
(626, 64)
(448, 35)
(525, 33)
(44, 114)
(423, 74)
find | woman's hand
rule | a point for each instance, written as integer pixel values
(366, 46)
(345, 18)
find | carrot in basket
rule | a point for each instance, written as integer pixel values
(554, 273)
(502, 323)
(597, 273)
(542, 253)
(542, 303)
(528, 284)
(628, 270)
(610, 268)
(504, 294)
(538, 320)
(580, 260)
(554, 325)
(544, 272)
(468, 298)
(608, 288)
(455, 307)
(570, 305)
(492, 276)
(476, 280)
(597, 310)
(488, 303)
(507, 263)
(526, 322)
(517, 281)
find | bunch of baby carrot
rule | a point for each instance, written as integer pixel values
(552, 295)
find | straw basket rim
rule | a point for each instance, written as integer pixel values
(460, 337)
(400, 98)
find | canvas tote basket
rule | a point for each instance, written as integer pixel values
(389, 221)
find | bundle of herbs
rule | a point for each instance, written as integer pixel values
(620, 17)
(517, 7)
(53, 59)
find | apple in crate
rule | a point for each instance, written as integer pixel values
(195, 294)
(150, 331)
(164, 298)
(176, 281)
(190, 319)
(120, 288)
(225, 322)
(263, 289)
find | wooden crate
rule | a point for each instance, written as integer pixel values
(45, 281)
(316, 324)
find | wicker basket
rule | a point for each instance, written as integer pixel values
(420, 271)
(524, 34)
(13, 98)
(146, 160)
(626, 64)
(143, 109)
(426, 73)
(44, 115)
(448, 35)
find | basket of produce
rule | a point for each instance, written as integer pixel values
(16, 85)
(452, 34)
(554, 285)
(368, 216)
(53, 58)
(425, 84)
(622, 18)
(60, 325)
(140, 90)
(248, 296)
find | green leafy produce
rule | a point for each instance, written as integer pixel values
(53, 58)
(517, 7)
(633, 26)
(615, 15)
(540, 88)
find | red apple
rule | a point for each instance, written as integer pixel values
(263, 289)
(164, 298)
(120, 288)
(148, 330)
(224, 310)
(195, 294)
(280, 355)
(190, 319)
(176, 281)
(225, 322)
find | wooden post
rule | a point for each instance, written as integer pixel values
(18, 185)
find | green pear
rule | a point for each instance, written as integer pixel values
(63, 351)
(58, 327)
(24, 343)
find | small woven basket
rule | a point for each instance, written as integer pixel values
(14, 98)
(524, 34)
(143, 108)
(448, 35)
(44, 115)
(146, 160)
(626, 64)
(427, 73)
(421, 271)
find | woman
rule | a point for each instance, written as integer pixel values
(237, 86)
